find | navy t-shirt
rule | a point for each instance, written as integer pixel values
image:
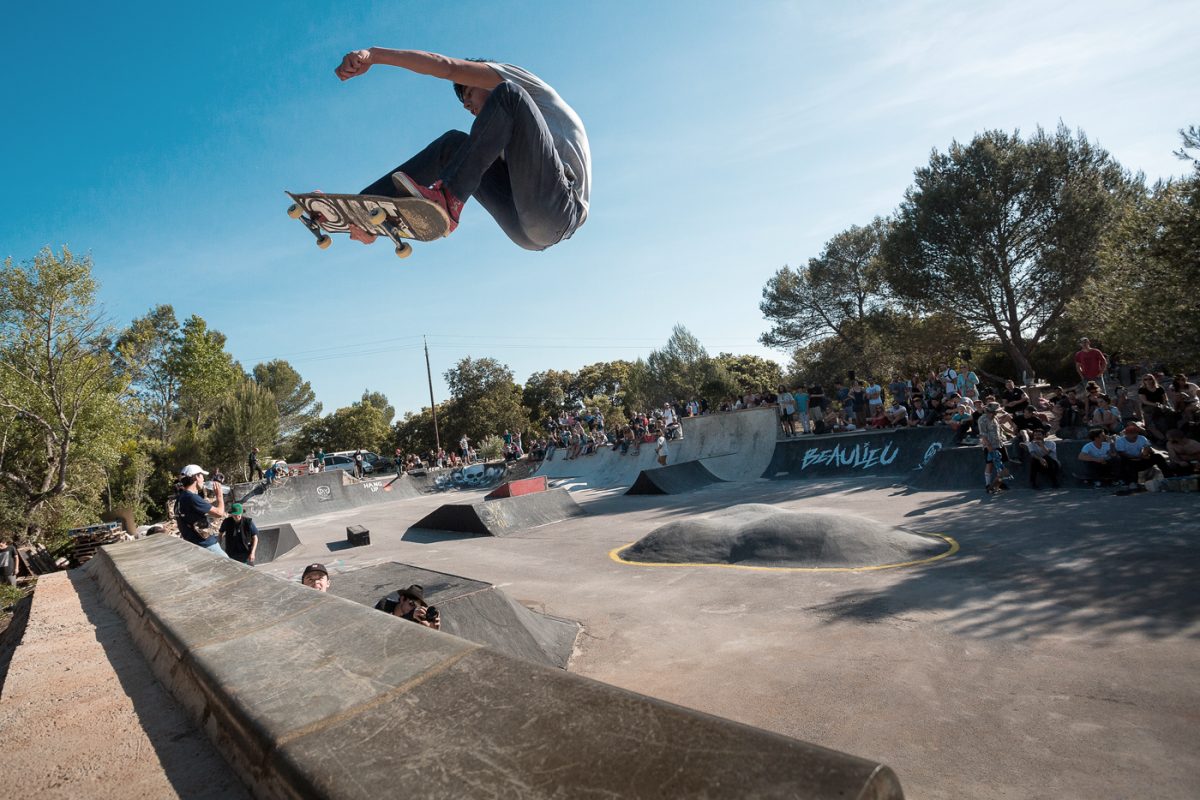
(194, 510)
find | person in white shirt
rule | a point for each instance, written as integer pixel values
(1043, 459)
(1136, 454)
(787, 411)
(1101, 464)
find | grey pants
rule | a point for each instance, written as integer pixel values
(528, 191)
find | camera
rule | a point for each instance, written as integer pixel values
(432, 613)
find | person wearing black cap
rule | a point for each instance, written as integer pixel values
(409, 603)
(315, 576)
(240, 535)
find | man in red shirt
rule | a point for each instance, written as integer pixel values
(1091, 364)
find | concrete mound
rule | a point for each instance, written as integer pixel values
(764, 536)
(689, 476)
(503, 516)
(473, 610)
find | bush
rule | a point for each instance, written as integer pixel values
(491, 448)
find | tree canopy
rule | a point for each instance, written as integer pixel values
(1003, 232)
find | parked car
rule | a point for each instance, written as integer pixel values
(339, 462)
(369, 460)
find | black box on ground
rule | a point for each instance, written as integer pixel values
(357, 535)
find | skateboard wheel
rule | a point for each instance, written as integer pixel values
(377, 217)
(295, 211)
(324, 241)
(404, 250)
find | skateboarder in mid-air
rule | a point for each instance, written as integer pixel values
(526, 159)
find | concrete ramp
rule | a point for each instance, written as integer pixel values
(733, 446)
(689, 476)
(961, 468)
(504, 516)
(474, 610)
(275, 541)
(312, 695)
(320, 493)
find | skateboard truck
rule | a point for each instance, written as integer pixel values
(296, 212)
(378, 217)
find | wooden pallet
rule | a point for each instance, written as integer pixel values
(38, 561)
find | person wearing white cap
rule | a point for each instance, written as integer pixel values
(193, 512)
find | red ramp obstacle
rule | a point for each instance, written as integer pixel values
(518, 488)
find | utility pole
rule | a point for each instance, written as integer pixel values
(437, 437)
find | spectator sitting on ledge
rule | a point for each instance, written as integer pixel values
(1043, 459)
(1101, 464)
(1105, 416)
(919, 414)
(878, 418)
(1183, 454)
(1136, 454)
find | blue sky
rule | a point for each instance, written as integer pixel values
(727, 140)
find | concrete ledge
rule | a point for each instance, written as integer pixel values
(310, 695)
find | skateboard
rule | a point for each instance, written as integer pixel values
(397, 218)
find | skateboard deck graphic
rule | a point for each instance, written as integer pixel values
(397, 218)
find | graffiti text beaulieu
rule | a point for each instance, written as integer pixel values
(861, 456)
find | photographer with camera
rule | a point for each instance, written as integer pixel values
(410, 604)
(194, 513)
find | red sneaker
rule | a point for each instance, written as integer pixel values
(437, 193)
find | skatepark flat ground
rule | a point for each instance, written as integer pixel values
(1055, 655)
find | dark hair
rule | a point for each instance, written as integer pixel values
(458, 87)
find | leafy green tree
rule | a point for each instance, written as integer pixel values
(842, 286)
(205, 371)
(294, 397)
(61, 422)
(881, 345)
(146, 349)
(545, 394)
(359, 425)
(750, 373)
(680, 368)
(1144, 304)
(483, 399)
(380, 401)
(413, 433)
(1003, 232)
(128, 483)
(601, 378)
(247, 418)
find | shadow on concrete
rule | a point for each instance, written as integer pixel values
(189, 762)
(1052, 563)
(427, 536)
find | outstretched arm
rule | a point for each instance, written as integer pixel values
(467, 73)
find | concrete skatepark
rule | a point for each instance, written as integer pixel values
(1052, 654)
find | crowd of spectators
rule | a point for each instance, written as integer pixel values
(1152, 423)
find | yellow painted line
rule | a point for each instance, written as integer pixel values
(615, 555)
